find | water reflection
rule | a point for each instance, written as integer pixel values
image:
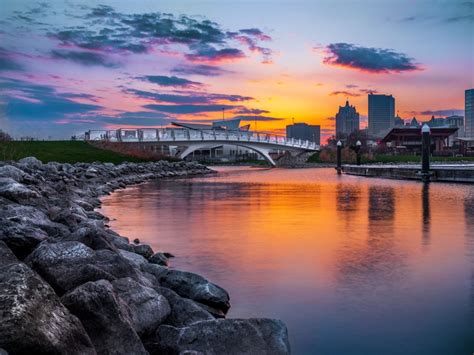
(339, 259)
(425, 195)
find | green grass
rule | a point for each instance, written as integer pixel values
(61, 152)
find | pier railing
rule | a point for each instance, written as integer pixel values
(176, 135)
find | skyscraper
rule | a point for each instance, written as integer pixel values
(304, 131)
(469, 113)
(347, 120)
(381, 114)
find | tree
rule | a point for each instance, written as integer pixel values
(4, 136)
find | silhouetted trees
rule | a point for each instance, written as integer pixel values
(4, 136)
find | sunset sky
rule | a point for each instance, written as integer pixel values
(70, 66)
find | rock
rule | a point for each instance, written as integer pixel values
(66, 265)
(21, 239)
(6, 255)
(184, 311)
(147, 308)
(226, 336)
(105, 318)
(136, 241)
(31, 162)
(33, 319)
(15, 191)
(93, 236)
(136, 259)
(143, 249)
(32, 217)
(10, 171)
(195, 287)
(159, 259)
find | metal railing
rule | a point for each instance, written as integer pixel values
(170, 135)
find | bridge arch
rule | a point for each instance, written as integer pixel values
(264, 152)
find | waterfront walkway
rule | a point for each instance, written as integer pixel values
(439, 172)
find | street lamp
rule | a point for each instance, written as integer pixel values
(357, 150)
(339, 157)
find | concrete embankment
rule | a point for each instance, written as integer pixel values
(71, 285)
(462, 173)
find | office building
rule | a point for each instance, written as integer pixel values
(469, 113)
(381, 114)
(347, 120)
(304, 131)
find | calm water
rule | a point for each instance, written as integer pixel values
(351, 265)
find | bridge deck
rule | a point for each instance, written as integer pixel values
(179, 135)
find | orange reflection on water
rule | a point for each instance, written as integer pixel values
(335, 257)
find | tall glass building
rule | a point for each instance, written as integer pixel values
(469, 113)
(381, 114)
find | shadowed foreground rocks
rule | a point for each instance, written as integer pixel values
(71, 285)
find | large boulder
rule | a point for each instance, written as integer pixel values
(195, 287)
(33, 320)
(21, 238)
(226, 336)
(147, 308)
(31, 162)
(105, 318)
(15, 191)
(143, 249)
(159, 259)
(66, 265)
(10, 171)
(135, 259)
(32, 217)
(95, 237)
(184, 311)
(6, 255)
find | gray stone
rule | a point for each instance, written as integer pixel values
(147, 308)
(159, 259)
(143, 249)
(6, 255)
(33, 319)
(136, 259)
(15, 191)
(105, 318)
(184, 311)
(195, 287)
(20, 238)
(31, 162)
(226, 336)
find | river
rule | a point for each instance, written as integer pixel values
(352, 265)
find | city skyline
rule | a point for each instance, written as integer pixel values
(115, 65)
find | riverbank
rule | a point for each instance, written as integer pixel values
(70, 284)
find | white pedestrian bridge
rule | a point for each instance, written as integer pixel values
(195, 139)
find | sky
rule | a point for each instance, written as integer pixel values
(70, 66)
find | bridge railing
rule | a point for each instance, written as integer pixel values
(170, 135)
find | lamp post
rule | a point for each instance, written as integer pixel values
(339, 157)
(425, 152)
(357, 150)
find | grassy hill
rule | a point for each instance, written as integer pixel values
(62, 152)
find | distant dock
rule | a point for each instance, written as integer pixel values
(462, 173)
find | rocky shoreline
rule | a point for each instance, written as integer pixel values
(71, 285)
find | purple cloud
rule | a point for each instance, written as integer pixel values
(367, 59)
(170, 81)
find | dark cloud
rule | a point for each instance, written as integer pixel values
(444, 112)
(84, 58)
(170, 81)
(110, 31)
(351, 86)
(139, 118)
(187, 97)
(249, 118)
(189, 109)
(35, 102)
(372, 60)
(206, 53)
(69, 95)
(7, 63)
(368, 91)
(251, 111)
(345, 93)
(199, 69)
